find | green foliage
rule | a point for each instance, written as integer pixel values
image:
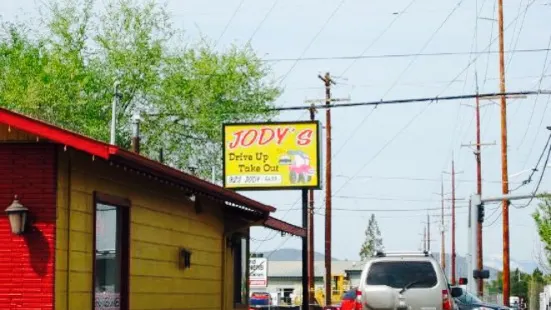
(522, 284)
(373, 239)
(542, 217)
(63, 71)
(519, 283)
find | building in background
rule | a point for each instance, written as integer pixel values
(284, 278)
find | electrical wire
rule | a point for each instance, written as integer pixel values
(544, 67)
(416, 179)
(409, 100)
(534, 192)
(494, 221)
(402, 130)
(361, 56)
(491, 40)
(229, 22)
(394, 210)
(487, 48)
(313, 40)
(424, 46)
(529, 179)
(514, 44)
(262, 21)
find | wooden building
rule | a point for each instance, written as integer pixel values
(109, 229)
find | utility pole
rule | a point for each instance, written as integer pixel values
(327, 81)
(453, 222)
(504, 168)
(328, 190)
(453, 269)
(114, 107)
(478, 154)
(311, 275)
(443, 231)
(425, 239)
(428, 233)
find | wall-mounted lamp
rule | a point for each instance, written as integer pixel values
(17, 215)
(185, 259)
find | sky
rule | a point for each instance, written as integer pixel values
(393, 157)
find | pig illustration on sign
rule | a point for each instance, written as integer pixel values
(300, 170)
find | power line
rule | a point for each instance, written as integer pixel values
(519, 32)
(543, 69)
(487, 48)
(406, 178)
(392, 210)
(535, 168)
(495, 220)
(424, 47)
(361, 56)
(229, 22)
(540, 179)
(262, 21)
(410, 100)
(313, 40)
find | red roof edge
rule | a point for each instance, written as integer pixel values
(56, 134)
(107, 151)
(280, 225)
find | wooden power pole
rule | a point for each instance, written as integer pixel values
(425, 239)
(428, 233)
(443, 231)
(478, 154)
(504, 168)
(328, 190)
(453, 254)
(453, 222)
(327, 81)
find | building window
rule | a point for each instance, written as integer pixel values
(111, 254)
(240, 268)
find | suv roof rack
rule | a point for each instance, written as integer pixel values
(384, 254)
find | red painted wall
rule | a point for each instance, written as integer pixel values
(27, 261)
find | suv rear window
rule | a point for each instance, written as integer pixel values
(399, 274)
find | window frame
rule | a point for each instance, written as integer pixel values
(240, 249)
(124, 204)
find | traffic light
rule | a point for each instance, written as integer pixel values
(480, 210)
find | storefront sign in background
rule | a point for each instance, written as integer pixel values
(258, 272)
(281, 155)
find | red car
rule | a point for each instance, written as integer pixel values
(350, 300)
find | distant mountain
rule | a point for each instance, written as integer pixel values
(291, 255)
(493, 262)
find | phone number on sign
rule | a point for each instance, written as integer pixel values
(253, 179)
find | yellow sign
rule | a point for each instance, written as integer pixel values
(282, 155)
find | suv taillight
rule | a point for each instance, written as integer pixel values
(358, 295)
(446, 300)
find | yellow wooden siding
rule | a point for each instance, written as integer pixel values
(8, 134)
(162, 221)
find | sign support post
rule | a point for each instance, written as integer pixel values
(305, 287)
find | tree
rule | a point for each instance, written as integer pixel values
(542, 217)
(62, 69)
(496, 286)
(373, 239)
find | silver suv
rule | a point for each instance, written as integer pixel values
(405, 281)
